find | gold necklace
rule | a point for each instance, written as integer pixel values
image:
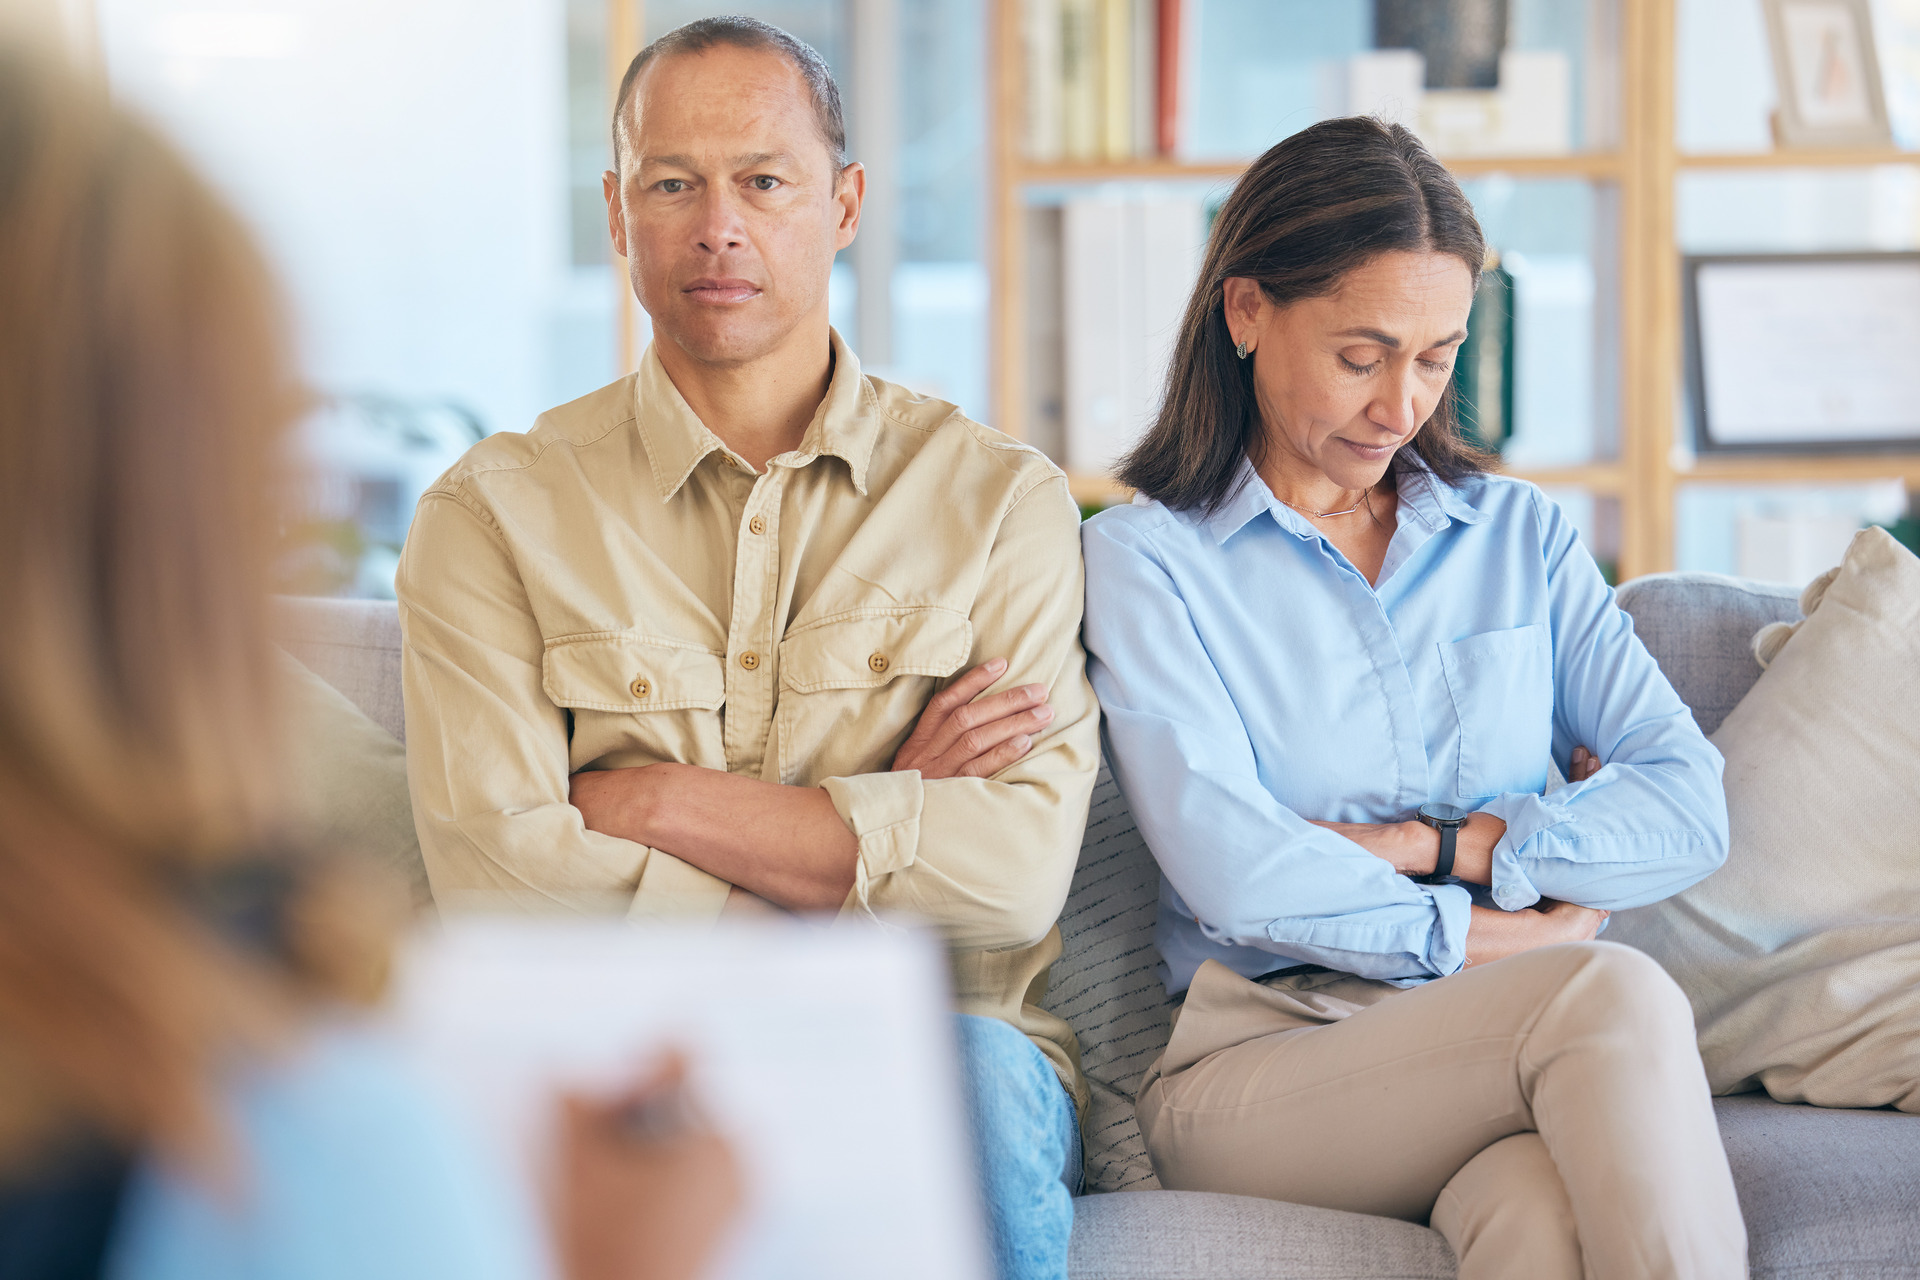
(1327, 515)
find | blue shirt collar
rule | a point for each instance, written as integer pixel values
(1424, 495)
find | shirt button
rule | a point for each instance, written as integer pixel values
(757, 525)
(878, 662)
(640, 687)
(750, 660)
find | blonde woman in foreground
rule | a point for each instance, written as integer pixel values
(185, 1093)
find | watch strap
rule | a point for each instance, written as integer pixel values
(1449, 832)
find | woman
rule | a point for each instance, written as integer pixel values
(183, 1092)
(1336, 657)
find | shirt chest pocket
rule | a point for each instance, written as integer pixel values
(1501, 684)
(852, 686)
(638, 699)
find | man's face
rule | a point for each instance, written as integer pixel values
(726, 205)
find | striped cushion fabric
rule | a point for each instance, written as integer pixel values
(1107, 985)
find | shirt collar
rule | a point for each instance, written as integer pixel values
(1425, 495)
(1432, 500)
(1247, 498)
(845, 425)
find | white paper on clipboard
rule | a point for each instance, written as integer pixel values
(1807, 352)
(826, 1056)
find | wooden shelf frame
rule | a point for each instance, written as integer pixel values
(1839, 158)
(1591, 165)
(1642, 171)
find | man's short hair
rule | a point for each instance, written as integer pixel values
(746, 33)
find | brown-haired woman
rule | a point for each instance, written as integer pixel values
(1336, 658)
(179, 1093)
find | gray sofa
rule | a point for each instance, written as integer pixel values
(1827, 1194)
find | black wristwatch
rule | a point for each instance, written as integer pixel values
(1447, 820)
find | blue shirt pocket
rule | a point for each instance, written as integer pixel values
(1502, 688)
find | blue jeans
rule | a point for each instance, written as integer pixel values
(1027, 1140)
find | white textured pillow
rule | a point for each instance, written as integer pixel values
(1802, 954)
(1107, 986)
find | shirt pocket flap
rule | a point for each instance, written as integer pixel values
(1501, 683)
(629, 673)
(866, 649)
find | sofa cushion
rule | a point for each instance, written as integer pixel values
(349, 778)
(1107, 986)
(1802, 954)
(1201, 1235)
(1825, 1193)
(354, 645)
(1699, 628)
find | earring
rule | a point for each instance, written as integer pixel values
(1240, 349)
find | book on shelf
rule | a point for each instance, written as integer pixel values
(1045, 349)
(1144, 37)
(1127, 267)
(1041, 37)
(1170, 45)
(1079, 79)
(1112, 80)
(1098, 86)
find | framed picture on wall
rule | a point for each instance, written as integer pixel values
(1827, 75)
(1801, 352)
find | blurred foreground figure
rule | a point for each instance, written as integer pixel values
(183, 1089)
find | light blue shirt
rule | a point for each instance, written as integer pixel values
(1251, 680)
(349, 1168)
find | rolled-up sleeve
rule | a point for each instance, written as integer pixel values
(990, 860)
(1653, 820)
(1249, 870)
(487, 750)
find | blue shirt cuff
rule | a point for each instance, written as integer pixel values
(1527, 815)
(1453, 912)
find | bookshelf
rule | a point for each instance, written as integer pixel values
(1646, 469)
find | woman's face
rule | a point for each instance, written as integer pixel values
(1345, 380)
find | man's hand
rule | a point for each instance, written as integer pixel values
(962, 735)
(1494, 934)
(786, 847)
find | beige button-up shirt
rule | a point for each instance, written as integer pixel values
(616, 588)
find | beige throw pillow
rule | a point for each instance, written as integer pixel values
(349, 777)
(1802, 954)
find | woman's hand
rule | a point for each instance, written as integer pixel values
(646, 1188)
(1583, 765)
(1493, 934)
(962, 735)
(1413, 848)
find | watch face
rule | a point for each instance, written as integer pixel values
(1444, 813)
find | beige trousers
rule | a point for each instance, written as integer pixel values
(1547, 1113)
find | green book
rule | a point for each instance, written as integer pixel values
(1483, 373)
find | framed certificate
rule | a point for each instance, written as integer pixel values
(1804, 352)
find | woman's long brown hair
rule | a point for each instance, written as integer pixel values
(1315, 206)
(145, 381)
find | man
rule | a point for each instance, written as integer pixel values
(748, 630)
